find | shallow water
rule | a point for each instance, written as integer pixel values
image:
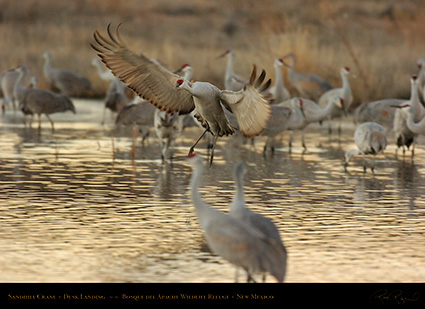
(78, 206)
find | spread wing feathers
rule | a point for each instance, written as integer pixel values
(147, 78)
(249, 105)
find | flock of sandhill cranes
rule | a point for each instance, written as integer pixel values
(170, 101)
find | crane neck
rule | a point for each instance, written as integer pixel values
(17, 88)
(239, 199)
(200, 206)
(414, 96)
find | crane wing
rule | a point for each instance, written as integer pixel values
(249, 105)
(147, 78)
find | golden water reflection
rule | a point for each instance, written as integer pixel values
(76, 206)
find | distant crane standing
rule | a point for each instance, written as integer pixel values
(278, 90)
(344, 93)
(7, 84)
(370, 138)
(232, 81)
(168, 128)
(42, 101)
(163, 89)
(232, 239)
(66, 82)
(380, 111)
(265, 225)
(308, 85)
(403, 135)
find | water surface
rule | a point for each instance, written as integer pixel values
(78, 205)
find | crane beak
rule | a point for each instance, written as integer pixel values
(396, 106)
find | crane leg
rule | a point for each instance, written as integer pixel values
(51, 122)
(212, 150)
(196, 143)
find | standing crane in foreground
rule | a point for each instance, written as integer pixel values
(41, 101)
(66, 82)
(308, 85)
(232, 81)
(233, 239)
(344, 93)
(370, 138)
(171, 93)
(403, 135)
(239, 210)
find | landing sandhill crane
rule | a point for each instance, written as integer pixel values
(168, 128)
(278, 90)
(265, 225)
(308, 85)
(7, 83)
(232, 81)
(380, 111)
(171, 93)
(116, 97)
(370, 138)
(344, 93)
(42, 101)
(66, 82)
(232, 239)
(403, 135)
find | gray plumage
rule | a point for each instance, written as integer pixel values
(232, 239)
(265, 225)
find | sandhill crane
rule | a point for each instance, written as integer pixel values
(296, 121)
(265, 225)
(308, 85)
(116, 97)
(417, 127)
(187, 71)
(380, 111)
(278, 90)
(370, 138)
(232, 239)
(344, 93)
(171, 93)
(403, 135)
(66, 82)
(279, 121)
(8, 81)
(103, 72)
(421, 77)
(42, 101)
(140, 115)
(232, 81)
(168, 128)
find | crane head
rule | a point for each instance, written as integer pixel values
(414, 77)
(227, 52)
(179, 82)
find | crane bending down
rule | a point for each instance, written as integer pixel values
(239, 210)
(171, 93)
(233, 239)
(168, 128)
(370, 138)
